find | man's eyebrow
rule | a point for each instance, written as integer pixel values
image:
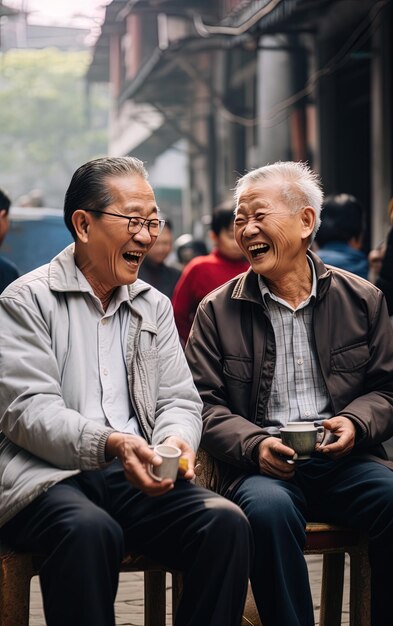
(139, 208)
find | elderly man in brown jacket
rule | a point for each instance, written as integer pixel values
(295, 340)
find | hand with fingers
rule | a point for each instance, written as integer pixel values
(135, 455)
(187, 459)
(340, 437)
(275, 459)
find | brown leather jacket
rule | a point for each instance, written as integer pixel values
(231, 352)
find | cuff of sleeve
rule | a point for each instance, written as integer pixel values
(252, 452)
(101, 444)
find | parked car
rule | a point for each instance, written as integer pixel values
(35, 236)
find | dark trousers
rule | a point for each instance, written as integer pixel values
(85, 523)
(351, 492)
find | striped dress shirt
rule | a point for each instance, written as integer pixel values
(298, 391)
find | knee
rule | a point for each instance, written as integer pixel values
(227, 521)
(275, 513)
(95, 529)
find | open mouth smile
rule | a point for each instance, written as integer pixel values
(258, 249)
(132, 257)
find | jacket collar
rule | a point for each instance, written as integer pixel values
(63, 275)
(247, 287)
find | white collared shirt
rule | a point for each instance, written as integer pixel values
(105, 334)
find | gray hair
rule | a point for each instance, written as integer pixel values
(88, 188)
(299, 185)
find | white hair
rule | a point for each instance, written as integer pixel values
(299, 185)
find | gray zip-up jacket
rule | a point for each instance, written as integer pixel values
(45, 439)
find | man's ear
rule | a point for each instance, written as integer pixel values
(81, 223)
(308, 221)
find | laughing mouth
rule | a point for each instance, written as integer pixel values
(259, 248)
(132, 257)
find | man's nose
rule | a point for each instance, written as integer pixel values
(143, 235)
(251, 228)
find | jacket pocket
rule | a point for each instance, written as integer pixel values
(350, 358)
(238, 369)
(147, 344)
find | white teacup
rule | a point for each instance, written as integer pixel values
(170, 462)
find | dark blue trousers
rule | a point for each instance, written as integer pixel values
(350, 492)
(85, 523)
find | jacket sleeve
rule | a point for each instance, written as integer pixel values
(178, 406)
(228, 436)
(33, 414)
(373, 411)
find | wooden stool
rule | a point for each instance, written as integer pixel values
(333, 543)
(17, 569)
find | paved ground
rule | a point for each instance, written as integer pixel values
(129, 602)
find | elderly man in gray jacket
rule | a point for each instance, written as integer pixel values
(91, 373)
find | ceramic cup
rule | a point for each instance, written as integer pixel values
(170, 462)
(301, 437)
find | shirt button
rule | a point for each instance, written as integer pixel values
(307, 413)
(104, 321)
(105, 372)
(300, 361)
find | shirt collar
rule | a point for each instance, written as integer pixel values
(64, 277)
(119, 296)
(268, 295)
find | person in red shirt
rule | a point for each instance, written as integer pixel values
(205, 273)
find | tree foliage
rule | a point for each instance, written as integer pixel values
(49, 123)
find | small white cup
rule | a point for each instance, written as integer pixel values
(170, 463)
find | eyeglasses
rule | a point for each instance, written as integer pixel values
(135, 224)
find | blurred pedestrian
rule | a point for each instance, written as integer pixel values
(8, 271)
(154, 270)
(205, 273)
(340, 236)
(187, 248)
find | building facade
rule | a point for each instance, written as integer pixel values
(243, 83)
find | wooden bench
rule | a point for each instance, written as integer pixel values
(17, 570)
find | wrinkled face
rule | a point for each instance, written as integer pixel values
(227, 245)
(272, 238)
(162, 247)
(113, 255)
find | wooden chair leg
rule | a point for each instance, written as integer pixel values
(16, 572)
(360, 588)
(332, 589)
(155, 598)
